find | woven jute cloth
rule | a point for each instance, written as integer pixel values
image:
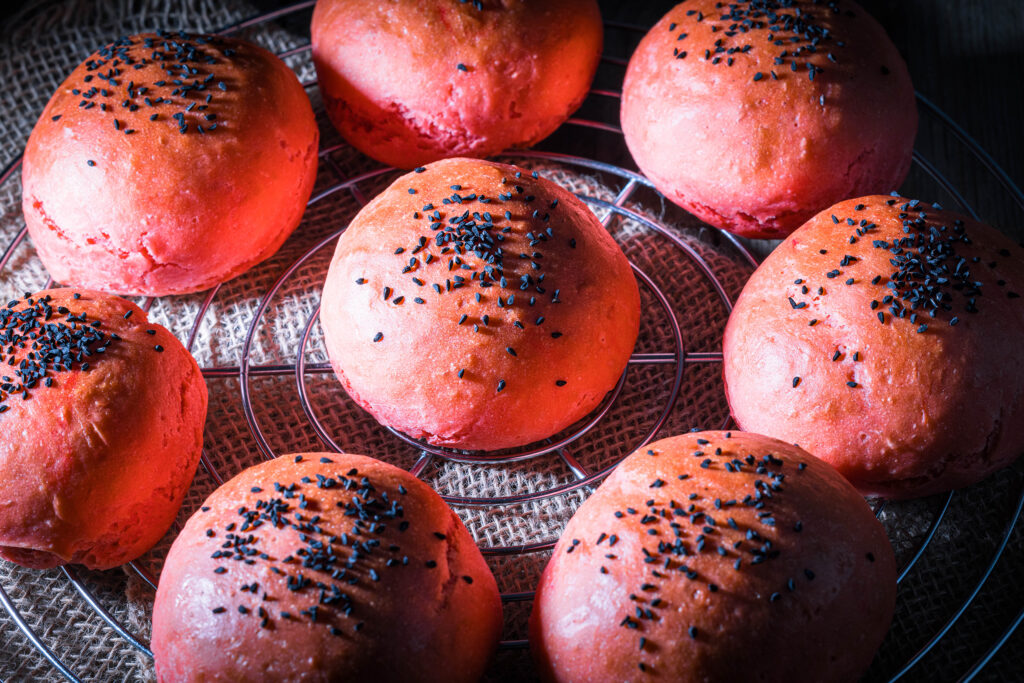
(267, 318)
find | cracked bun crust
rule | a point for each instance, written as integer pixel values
(754, 119)
(325, 567)
(477, 307)
(413, 81)
(101, 428)
(884, 337)
(716, 556)
(171, 177)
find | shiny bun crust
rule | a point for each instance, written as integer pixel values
(716, 557)
(101, 427)
(325, 567)
(753, 118)
(884, 337)
(167, 164)
(478, 307)
(413, 81)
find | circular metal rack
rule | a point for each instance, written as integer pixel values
(557, 446)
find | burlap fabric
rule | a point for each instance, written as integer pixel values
(44, 44)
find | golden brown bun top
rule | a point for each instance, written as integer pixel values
(883, 336)
(479, 306)
(90, 392)
(716, 556)
(325, 566)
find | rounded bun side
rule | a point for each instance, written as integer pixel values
(325, 567)
(101, 430)
(754, 136)
(420, 80)
(883, 337)
(478, 307)
(716, 556)
(188, 185)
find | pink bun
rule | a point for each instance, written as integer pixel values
(119, 201)
(95, 458)
(325, 567)
(716, 557)
(413, 81)
(904, 401)
(756, 147)
(507, 332)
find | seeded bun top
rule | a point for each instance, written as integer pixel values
(883, 336)
(325, 567)
(478, 306)
(154, 151)
(754, 116)
(101, 427)
(716, 556)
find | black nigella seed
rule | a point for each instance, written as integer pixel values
(462, 67)
(377, 337)
(91, 162)
(560, 382)
(158, 348)
(796, 381)
(501, 385)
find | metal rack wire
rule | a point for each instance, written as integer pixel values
(559, 446)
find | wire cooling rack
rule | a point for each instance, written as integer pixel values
(905, 665)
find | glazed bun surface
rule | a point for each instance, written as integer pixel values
(755, 116)
(167, 164)
(716, 557)
(478, 307)
(101, 428)
(325, 567)
(884, 337)
(409, 82)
